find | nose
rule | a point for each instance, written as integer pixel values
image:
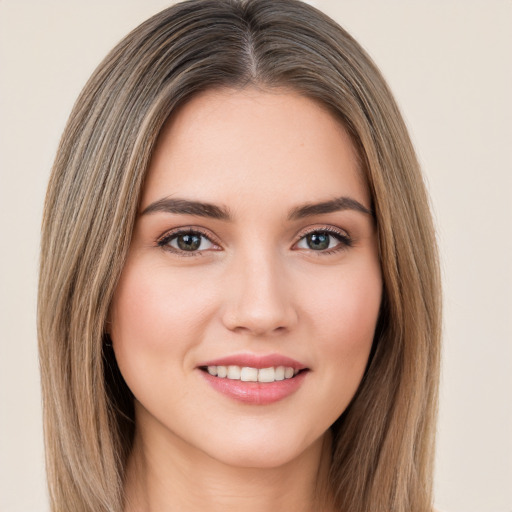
(260, 299)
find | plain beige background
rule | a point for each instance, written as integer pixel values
(449, 64)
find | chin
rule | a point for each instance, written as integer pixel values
(265, 451)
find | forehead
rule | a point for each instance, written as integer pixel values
(252, 142)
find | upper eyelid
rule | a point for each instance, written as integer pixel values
(330, 229)
(187, 229)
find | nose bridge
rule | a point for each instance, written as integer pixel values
(259, 302)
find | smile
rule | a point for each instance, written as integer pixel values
(249, 374)
(255, 379)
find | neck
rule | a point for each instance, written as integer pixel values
(175, 478)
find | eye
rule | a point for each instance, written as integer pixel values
(186, 241)
(324, 241)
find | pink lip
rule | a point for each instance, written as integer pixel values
(255, 361)
(255, 393)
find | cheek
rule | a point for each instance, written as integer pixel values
(156, 318)
(343, 321)
(347, 306)
(152, 306)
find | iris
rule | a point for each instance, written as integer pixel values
(188, 241)
(318, 241)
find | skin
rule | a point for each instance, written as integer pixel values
(254, 286)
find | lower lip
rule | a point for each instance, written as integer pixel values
(256, 393)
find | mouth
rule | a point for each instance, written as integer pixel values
(253, 379)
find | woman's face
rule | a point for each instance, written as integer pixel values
(254, 254)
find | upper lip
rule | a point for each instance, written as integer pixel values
(255, 361)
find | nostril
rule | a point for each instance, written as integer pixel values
(244, 319)
(258, 298)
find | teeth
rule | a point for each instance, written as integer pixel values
(248, 374)
(266, 375)
(233, 372)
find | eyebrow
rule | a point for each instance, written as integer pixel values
(186, 207)
(201, 209)
(334, 205)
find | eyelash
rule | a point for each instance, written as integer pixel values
(165, 240)
(341, 236)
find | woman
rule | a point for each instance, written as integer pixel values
(239, 295)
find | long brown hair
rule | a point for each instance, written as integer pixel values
(384, 442)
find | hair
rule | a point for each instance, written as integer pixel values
(383, 444)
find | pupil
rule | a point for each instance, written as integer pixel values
(318, 241)
(189, 242)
